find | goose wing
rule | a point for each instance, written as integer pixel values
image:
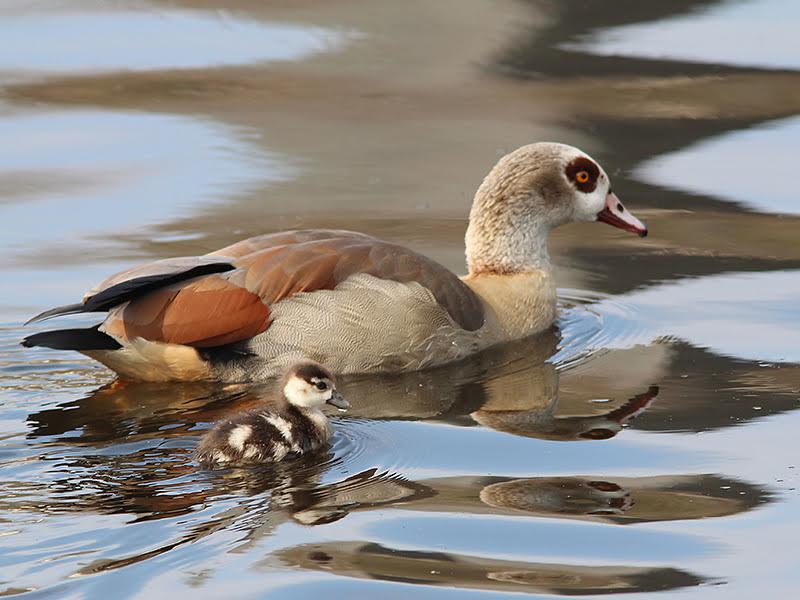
(225, 297)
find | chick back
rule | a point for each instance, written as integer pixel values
(262, 435)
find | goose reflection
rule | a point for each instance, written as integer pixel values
(546, 424)
(510, 388)
(618, 500)
(368, 560)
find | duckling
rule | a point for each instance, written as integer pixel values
(294, 426)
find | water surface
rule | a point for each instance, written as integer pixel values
(647, 444)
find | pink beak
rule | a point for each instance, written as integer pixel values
(617, 215)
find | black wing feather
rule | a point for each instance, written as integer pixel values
(127, 290)
(73, 339)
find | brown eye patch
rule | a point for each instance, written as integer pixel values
(583, 173)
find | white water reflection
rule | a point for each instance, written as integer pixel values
(60, 42)
(755, 167)
(751, 316)
(759, 33)
(65, 175)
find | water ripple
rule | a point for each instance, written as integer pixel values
(592, 323)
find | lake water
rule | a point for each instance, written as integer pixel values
(648, 445)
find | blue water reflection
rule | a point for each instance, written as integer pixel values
(535, 539)
(754, 167)
(68, 42)
(85, 172)
(751, 316)
(756, 33)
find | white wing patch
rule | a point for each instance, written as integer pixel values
(239, 436)
(282, 425)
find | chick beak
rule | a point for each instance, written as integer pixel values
(338, 401)
(614, 213)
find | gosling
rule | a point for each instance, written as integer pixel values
(293, 426)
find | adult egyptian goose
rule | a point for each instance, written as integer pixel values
(292, 426)
(353, 302)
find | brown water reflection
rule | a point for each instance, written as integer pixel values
(448, 483)
(511, 391)
(373, 561)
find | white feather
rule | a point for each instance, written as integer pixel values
(239, 436)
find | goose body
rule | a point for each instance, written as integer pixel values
(292, 426)
(351, 301)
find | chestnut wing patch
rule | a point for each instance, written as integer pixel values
(206, 312)
(224, 308)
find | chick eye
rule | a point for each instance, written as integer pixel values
(582, 176)
(321, 385)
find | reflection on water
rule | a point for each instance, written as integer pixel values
(751, 316)
(117, 171)
(743, 33)
(644, 445)
(746, 167)
(126, 449)
(374, 561)
(184, 39)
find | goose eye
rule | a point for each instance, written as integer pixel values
(321, 385)
(582, 176)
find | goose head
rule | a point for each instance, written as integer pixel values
(309, 385)
(529, 192)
